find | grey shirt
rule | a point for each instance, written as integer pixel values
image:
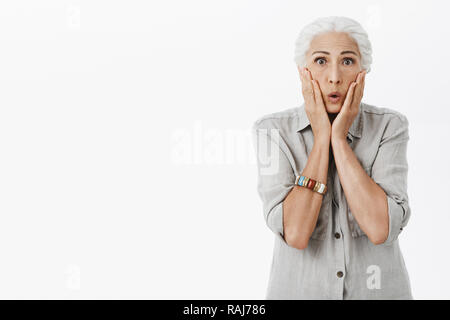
(340, 262)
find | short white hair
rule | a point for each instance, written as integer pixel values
(337, 24)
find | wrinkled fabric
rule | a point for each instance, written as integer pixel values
(378, 137)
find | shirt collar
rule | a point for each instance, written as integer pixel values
(355, 129)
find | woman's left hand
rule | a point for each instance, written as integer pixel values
(350, 108)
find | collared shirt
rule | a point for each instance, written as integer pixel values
(340, 262)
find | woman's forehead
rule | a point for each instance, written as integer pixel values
(333, 42)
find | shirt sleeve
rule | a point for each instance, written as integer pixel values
(276, 176)
(390, 172)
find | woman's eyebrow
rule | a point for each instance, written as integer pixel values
(343, 52)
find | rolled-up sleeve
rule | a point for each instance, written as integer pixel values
(390, 172)
(276, 177)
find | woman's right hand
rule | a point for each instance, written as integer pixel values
(314, 106)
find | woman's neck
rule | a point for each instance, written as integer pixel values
(332, 116)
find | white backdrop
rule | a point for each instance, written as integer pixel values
(126, 163)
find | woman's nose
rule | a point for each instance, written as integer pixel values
(334, 77)
(334, 80)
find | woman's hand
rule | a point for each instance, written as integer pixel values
(349, 109)
(314, 106)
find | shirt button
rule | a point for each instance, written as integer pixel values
(340, 274)
(337, 235)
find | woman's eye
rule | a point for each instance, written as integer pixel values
(348, 59)
(318, 59)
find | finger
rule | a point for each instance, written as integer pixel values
(349, 97)
(357, 87)
(360, 86)
(317, 93)
(358, 78)
(302, 76)
(307, 88)
(363, 83)
(311, 82)
(308, 74)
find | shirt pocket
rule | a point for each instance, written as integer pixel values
(354, 227)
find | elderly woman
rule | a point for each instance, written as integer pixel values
(332, 175)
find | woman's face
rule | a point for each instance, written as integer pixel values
(334, 61)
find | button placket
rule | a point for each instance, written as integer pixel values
(336, 184)
(339, 245)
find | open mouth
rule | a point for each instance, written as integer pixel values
(334, 97)
(334, 94)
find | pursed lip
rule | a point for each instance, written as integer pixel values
(335, 94)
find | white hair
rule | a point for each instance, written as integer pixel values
(337, 24)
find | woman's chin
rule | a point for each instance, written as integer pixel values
(333, 107)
